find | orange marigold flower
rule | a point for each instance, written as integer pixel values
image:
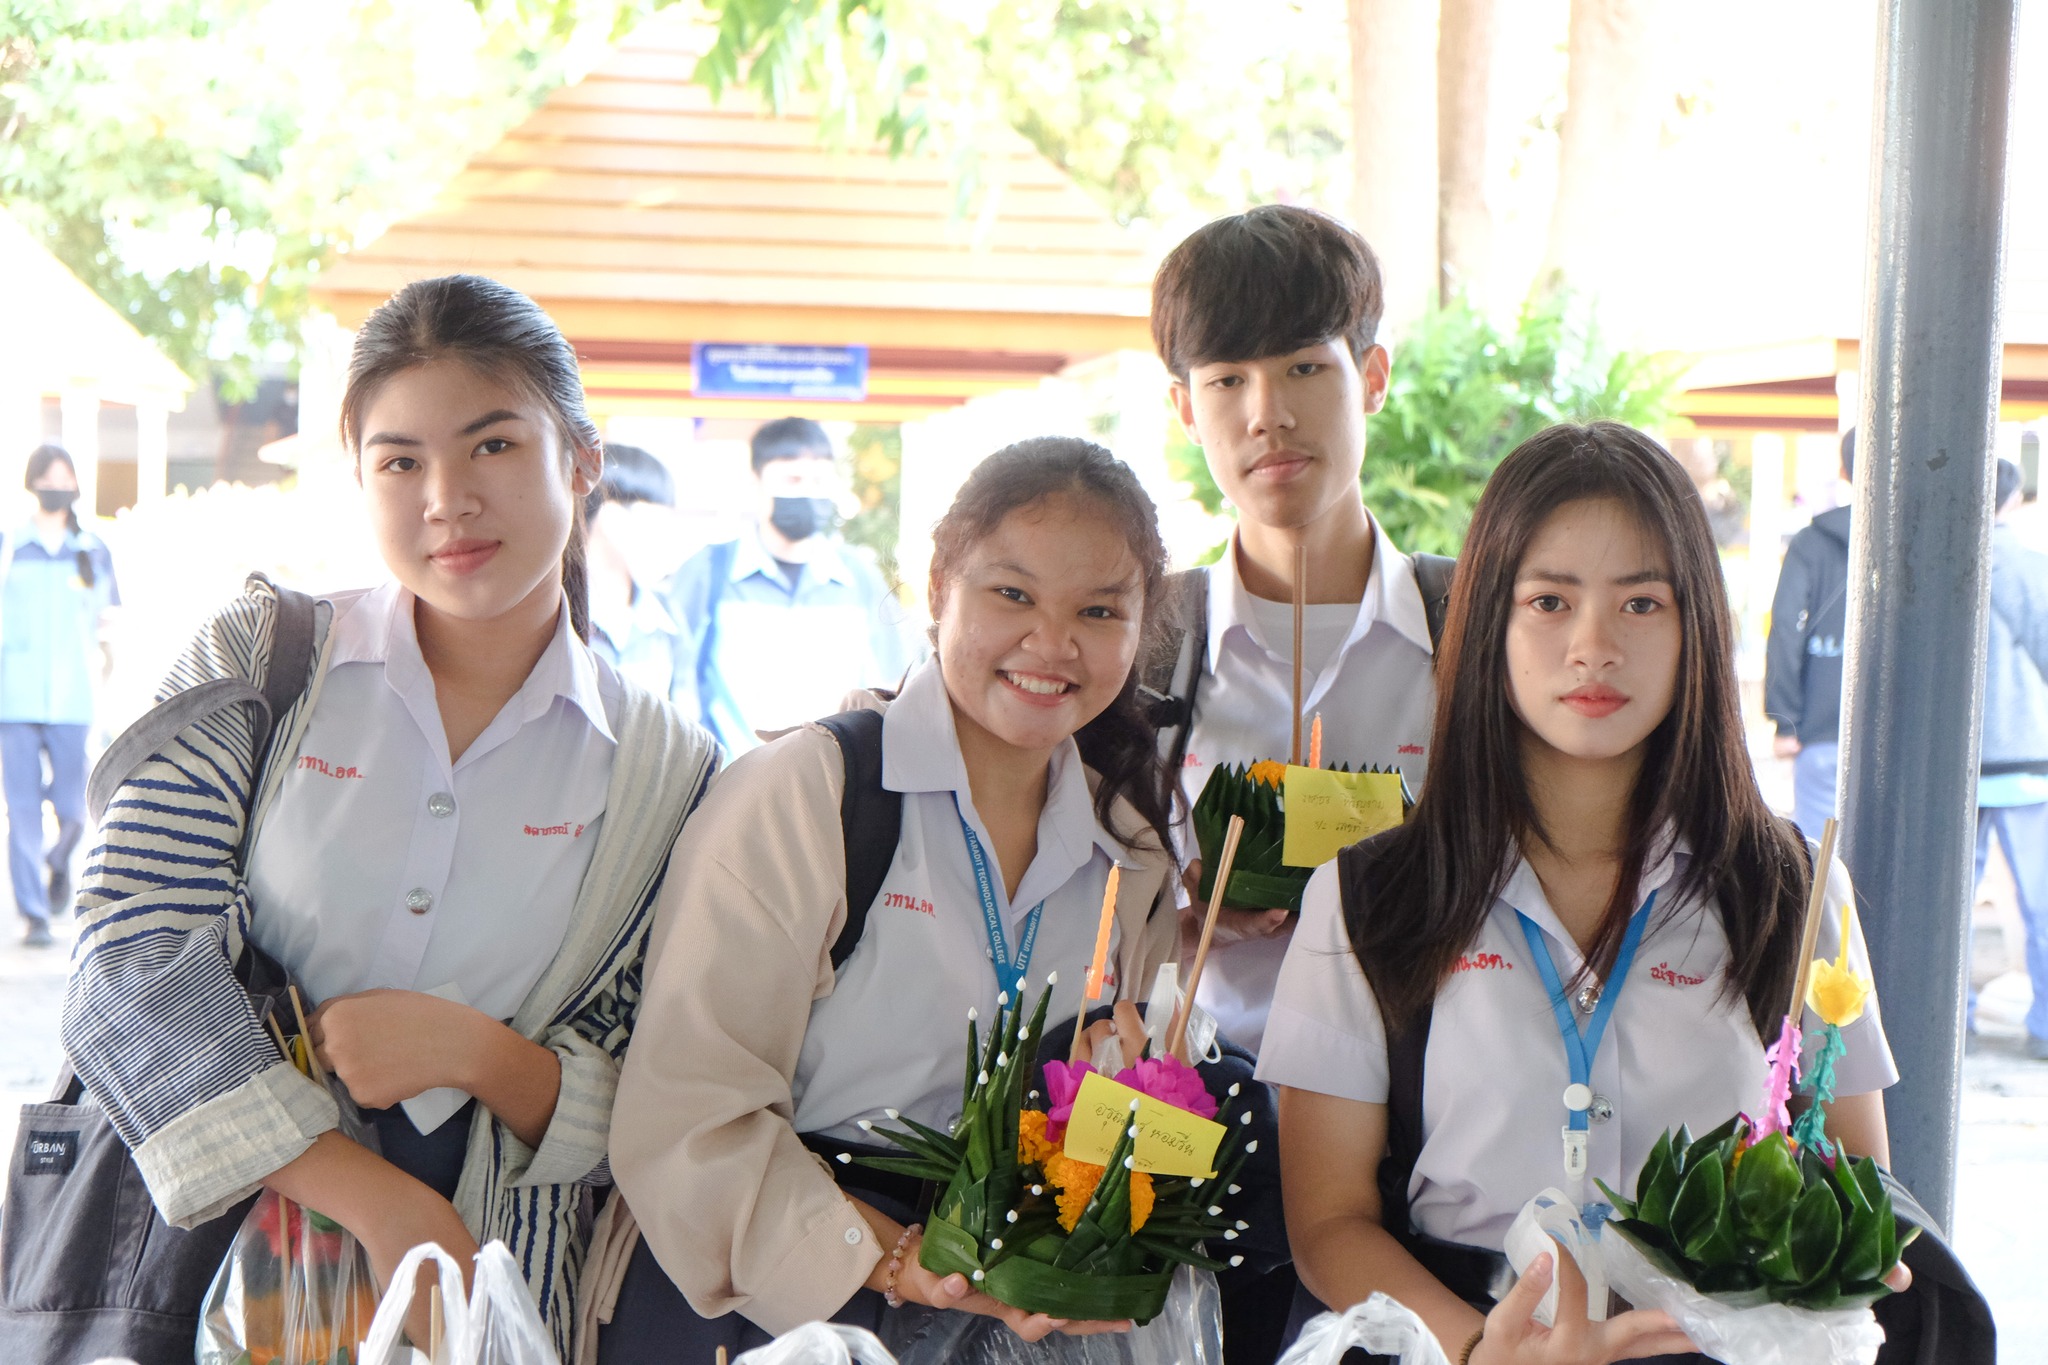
(1269, 771)
(1141, 1199)
(1076, 1182)
(1032, 1147)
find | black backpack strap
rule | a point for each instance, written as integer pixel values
(870, 821)
(1433, 581)
(1172, 675)
(284, 681)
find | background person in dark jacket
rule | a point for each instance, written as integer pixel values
(2012, 793)
(1803, 657)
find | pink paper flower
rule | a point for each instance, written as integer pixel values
(1062, 1084)
(1171, 1081)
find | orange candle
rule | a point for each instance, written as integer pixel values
(1315, 742)
(1095, 971)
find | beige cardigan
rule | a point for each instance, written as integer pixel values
(738, 1212)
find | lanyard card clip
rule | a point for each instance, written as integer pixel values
(1576, 1144)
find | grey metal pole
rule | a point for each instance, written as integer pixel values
(1919, 578)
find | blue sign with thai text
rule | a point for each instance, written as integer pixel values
(746, 370)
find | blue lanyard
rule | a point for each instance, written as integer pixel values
(1009, 972)
(1581, 1048)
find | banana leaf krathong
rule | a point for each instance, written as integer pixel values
(1259, 879)
(997, 1221)
(1763, 1219)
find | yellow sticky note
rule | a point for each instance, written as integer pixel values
(1326, 811)
(1170, 1141)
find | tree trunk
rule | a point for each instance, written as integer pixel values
(1605, 140)
(1393, 145)
(1464, 77)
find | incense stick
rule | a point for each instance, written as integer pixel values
(1176, 1032)
(299, 1009)
(1814, 904)
(719, 1357)
(1091, 989)
(434, 1324)
(1300, 606)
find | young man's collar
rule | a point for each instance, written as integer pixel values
(752, 557)
(1391, 595)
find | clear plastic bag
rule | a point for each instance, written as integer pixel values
(1379, 1325)
(1188, 1331)
(498, 1324)
(1762, 1333)
(294, 1289)
(821, 1343)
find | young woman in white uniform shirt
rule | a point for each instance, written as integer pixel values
(457, 840)
(1022, 741)
(1591, 811)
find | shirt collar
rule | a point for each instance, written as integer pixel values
(1524, 891)
(1391, 595)
(921, 753)
(378, 629)
(752, 557)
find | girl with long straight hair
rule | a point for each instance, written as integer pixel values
(1592, 829)
(453, 848)
(1022, 766)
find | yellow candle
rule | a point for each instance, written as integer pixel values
(1102, 934)
(1315, 742)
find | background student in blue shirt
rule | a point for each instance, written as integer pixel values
(59, 581)
(781, 623)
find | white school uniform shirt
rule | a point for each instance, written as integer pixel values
(1494, 1072)
(381, 864)
(891, 1033)
(1377, 697)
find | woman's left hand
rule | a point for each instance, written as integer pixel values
(389, 1046)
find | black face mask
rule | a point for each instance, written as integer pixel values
(802, 518)
(56, 499)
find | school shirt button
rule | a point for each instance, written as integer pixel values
(853, 1237)
(441, 805)
(419, 900)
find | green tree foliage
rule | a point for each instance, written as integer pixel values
(1462, 395)
(874, 457)
(194, 161)
(1152, 105)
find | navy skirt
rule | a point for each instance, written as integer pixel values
(652, 1321)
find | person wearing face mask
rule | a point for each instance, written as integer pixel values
(631, 507)
(780, 623)
(59, 582)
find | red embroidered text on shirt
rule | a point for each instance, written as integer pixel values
(898, 900)
(542, 831)
(1408, 749)
(307, 763)
(1482, 962)
(1663, 972)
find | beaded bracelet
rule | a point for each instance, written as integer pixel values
(1465, 1356)
(889, 1294)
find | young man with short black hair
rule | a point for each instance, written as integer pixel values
(1268, 323)
(781, 623)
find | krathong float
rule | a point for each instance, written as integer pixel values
(1296, 815)
(1766, 1213)
(1079, 1199)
